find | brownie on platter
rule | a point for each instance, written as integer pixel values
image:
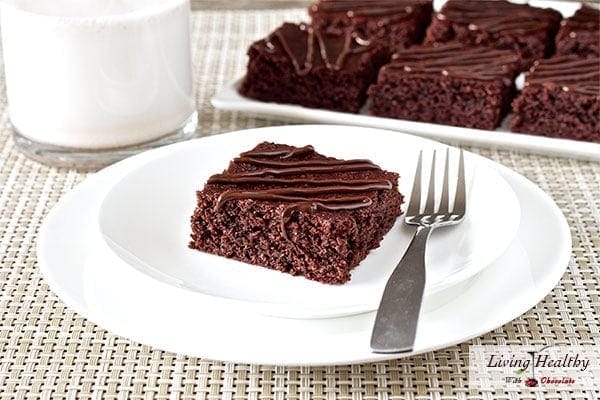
(302, 64)
(561, 98)
(453, 83)
(497, 23)
(397, 24)
(580, 34)
(294, 210)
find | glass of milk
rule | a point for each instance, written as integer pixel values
(90, 82)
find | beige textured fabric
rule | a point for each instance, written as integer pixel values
(48, 351)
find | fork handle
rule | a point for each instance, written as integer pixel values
(398, 313)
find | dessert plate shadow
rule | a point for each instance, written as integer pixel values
(145, 216)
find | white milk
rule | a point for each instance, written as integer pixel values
(94, 74)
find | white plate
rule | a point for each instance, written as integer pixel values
(145, 220)
(96, 283)
(229, 99)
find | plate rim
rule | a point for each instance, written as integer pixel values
(561, 263)
(298, 311)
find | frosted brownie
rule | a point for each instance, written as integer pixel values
(561, 98)
(452, 84)
(299, 64)
(497, 23)
(580, 34)
(397, 24)
(294, 210)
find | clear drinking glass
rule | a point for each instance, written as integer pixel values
(90, 82)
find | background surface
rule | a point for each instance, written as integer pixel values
(48, 351)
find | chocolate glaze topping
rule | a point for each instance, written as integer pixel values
(572, 73)
(458, 60)
(368, 8)
(298, 151)
(307, 46)
(302, 193)
(495, 16)
(307, 163)
(586, 18)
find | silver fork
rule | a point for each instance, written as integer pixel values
(398, 314)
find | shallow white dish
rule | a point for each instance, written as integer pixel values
(80, 268)
(145, 217)
(229, 99)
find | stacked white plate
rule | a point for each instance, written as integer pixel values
(115, 250)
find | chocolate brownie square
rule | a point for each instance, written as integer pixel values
(299, 64)
(580, 34)
(397, 24)
(497, 23)
(294, 210)
(561, 98)
(452, 84)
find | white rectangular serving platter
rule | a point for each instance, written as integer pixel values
(229, 99)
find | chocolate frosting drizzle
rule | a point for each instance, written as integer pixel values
(572, 73)
(586, 18)
(369, 8)
(499, 16)
(307, 194)
(317, 44)
(457, 60)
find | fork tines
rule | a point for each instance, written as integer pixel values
(415, 207)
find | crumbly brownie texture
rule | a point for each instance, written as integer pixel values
(500, 24)
(397, 24)
(450, 84)
(303, 65)
(580, 34)
(296, 211)
(561, 98)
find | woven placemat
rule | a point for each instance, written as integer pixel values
(48, 351)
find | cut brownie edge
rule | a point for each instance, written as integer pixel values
(277, 82)
(561, 98)
(552, 112)
(299, 64)
(452, 101)
(323, 245)
(450, 84)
